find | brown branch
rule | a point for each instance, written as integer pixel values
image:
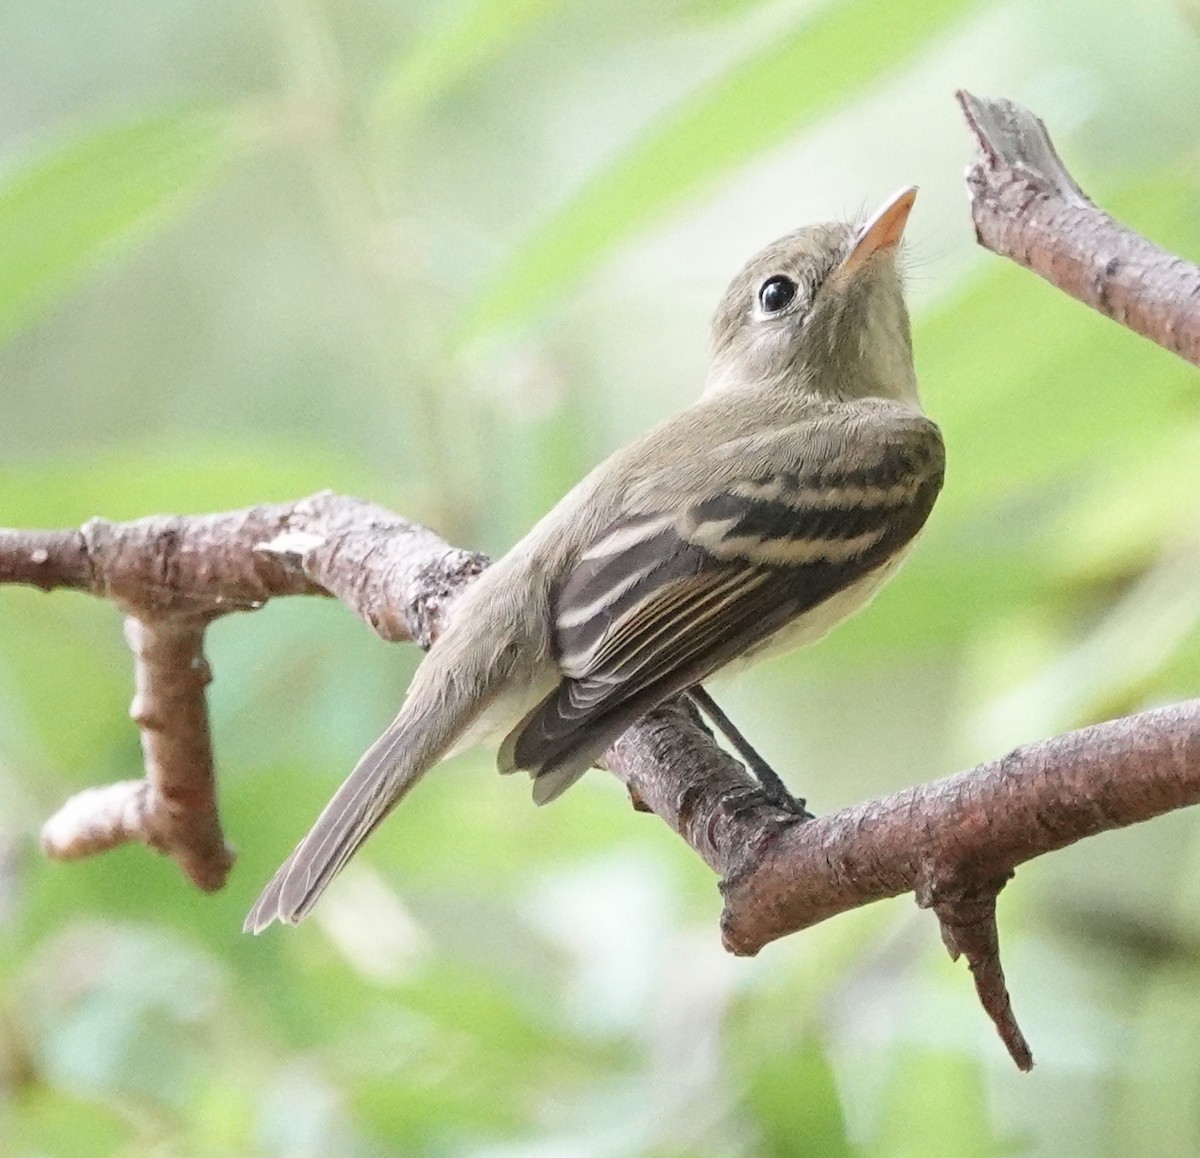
(976, 826)
(173, 808)
(174, 576)
(1027, 207)
(953, 842)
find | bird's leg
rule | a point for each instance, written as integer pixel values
(772, 786)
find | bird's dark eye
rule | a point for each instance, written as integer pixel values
(775, 293)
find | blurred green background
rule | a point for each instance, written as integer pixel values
(445, 255)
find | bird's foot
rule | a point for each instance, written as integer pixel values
(771, 787)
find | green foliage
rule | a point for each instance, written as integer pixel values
(803, 72)
(934, 1107)
(191, 320)
(60, 215)
(796, 1102)
(455, 50)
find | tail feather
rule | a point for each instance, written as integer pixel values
(412, 744)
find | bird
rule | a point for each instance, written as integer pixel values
(749, 523)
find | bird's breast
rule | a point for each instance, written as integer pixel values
(818, 621)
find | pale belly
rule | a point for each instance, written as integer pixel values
(823, 618)
(506, 712)
(521, 697)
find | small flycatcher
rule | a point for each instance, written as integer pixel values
(752, 522)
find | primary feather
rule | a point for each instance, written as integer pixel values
(754, 520)
(661, 600)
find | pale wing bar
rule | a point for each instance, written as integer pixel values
(709, 584)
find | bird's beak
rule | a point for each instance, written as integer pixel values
(881, 233)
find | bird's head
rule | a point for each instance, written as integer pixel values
(821, 310)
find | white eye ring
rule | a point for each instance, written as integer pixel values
(776, 293)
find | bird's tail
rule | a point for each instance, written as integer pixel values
(418, 738)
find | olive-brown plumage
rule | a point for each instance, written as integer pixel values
(752, 521)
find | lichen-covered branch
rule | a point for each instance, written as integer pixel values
(1027, 207)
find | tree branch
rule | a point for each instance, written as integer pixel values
(1027, 207)
(172, 577)
(954, 843)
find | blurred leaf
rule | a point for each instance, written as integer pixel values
(77, 731)
(128, 1011)
(54, 1122)
(702, 11)
(935, 1107)
(1158, 1110)
(196, 477)
(1029, 420)
(477, 31)
(464, 1052)
(796, 1106)
(1117, 657)
(754, 107)
(557, 440)
(61, 214)
(1022, 413)
(1115, 529)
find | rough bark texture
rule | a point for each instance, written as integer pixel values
(954, 843)
(174, 576)
(1027, 207)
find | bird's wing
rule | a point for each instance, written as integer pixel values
(679, 585)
